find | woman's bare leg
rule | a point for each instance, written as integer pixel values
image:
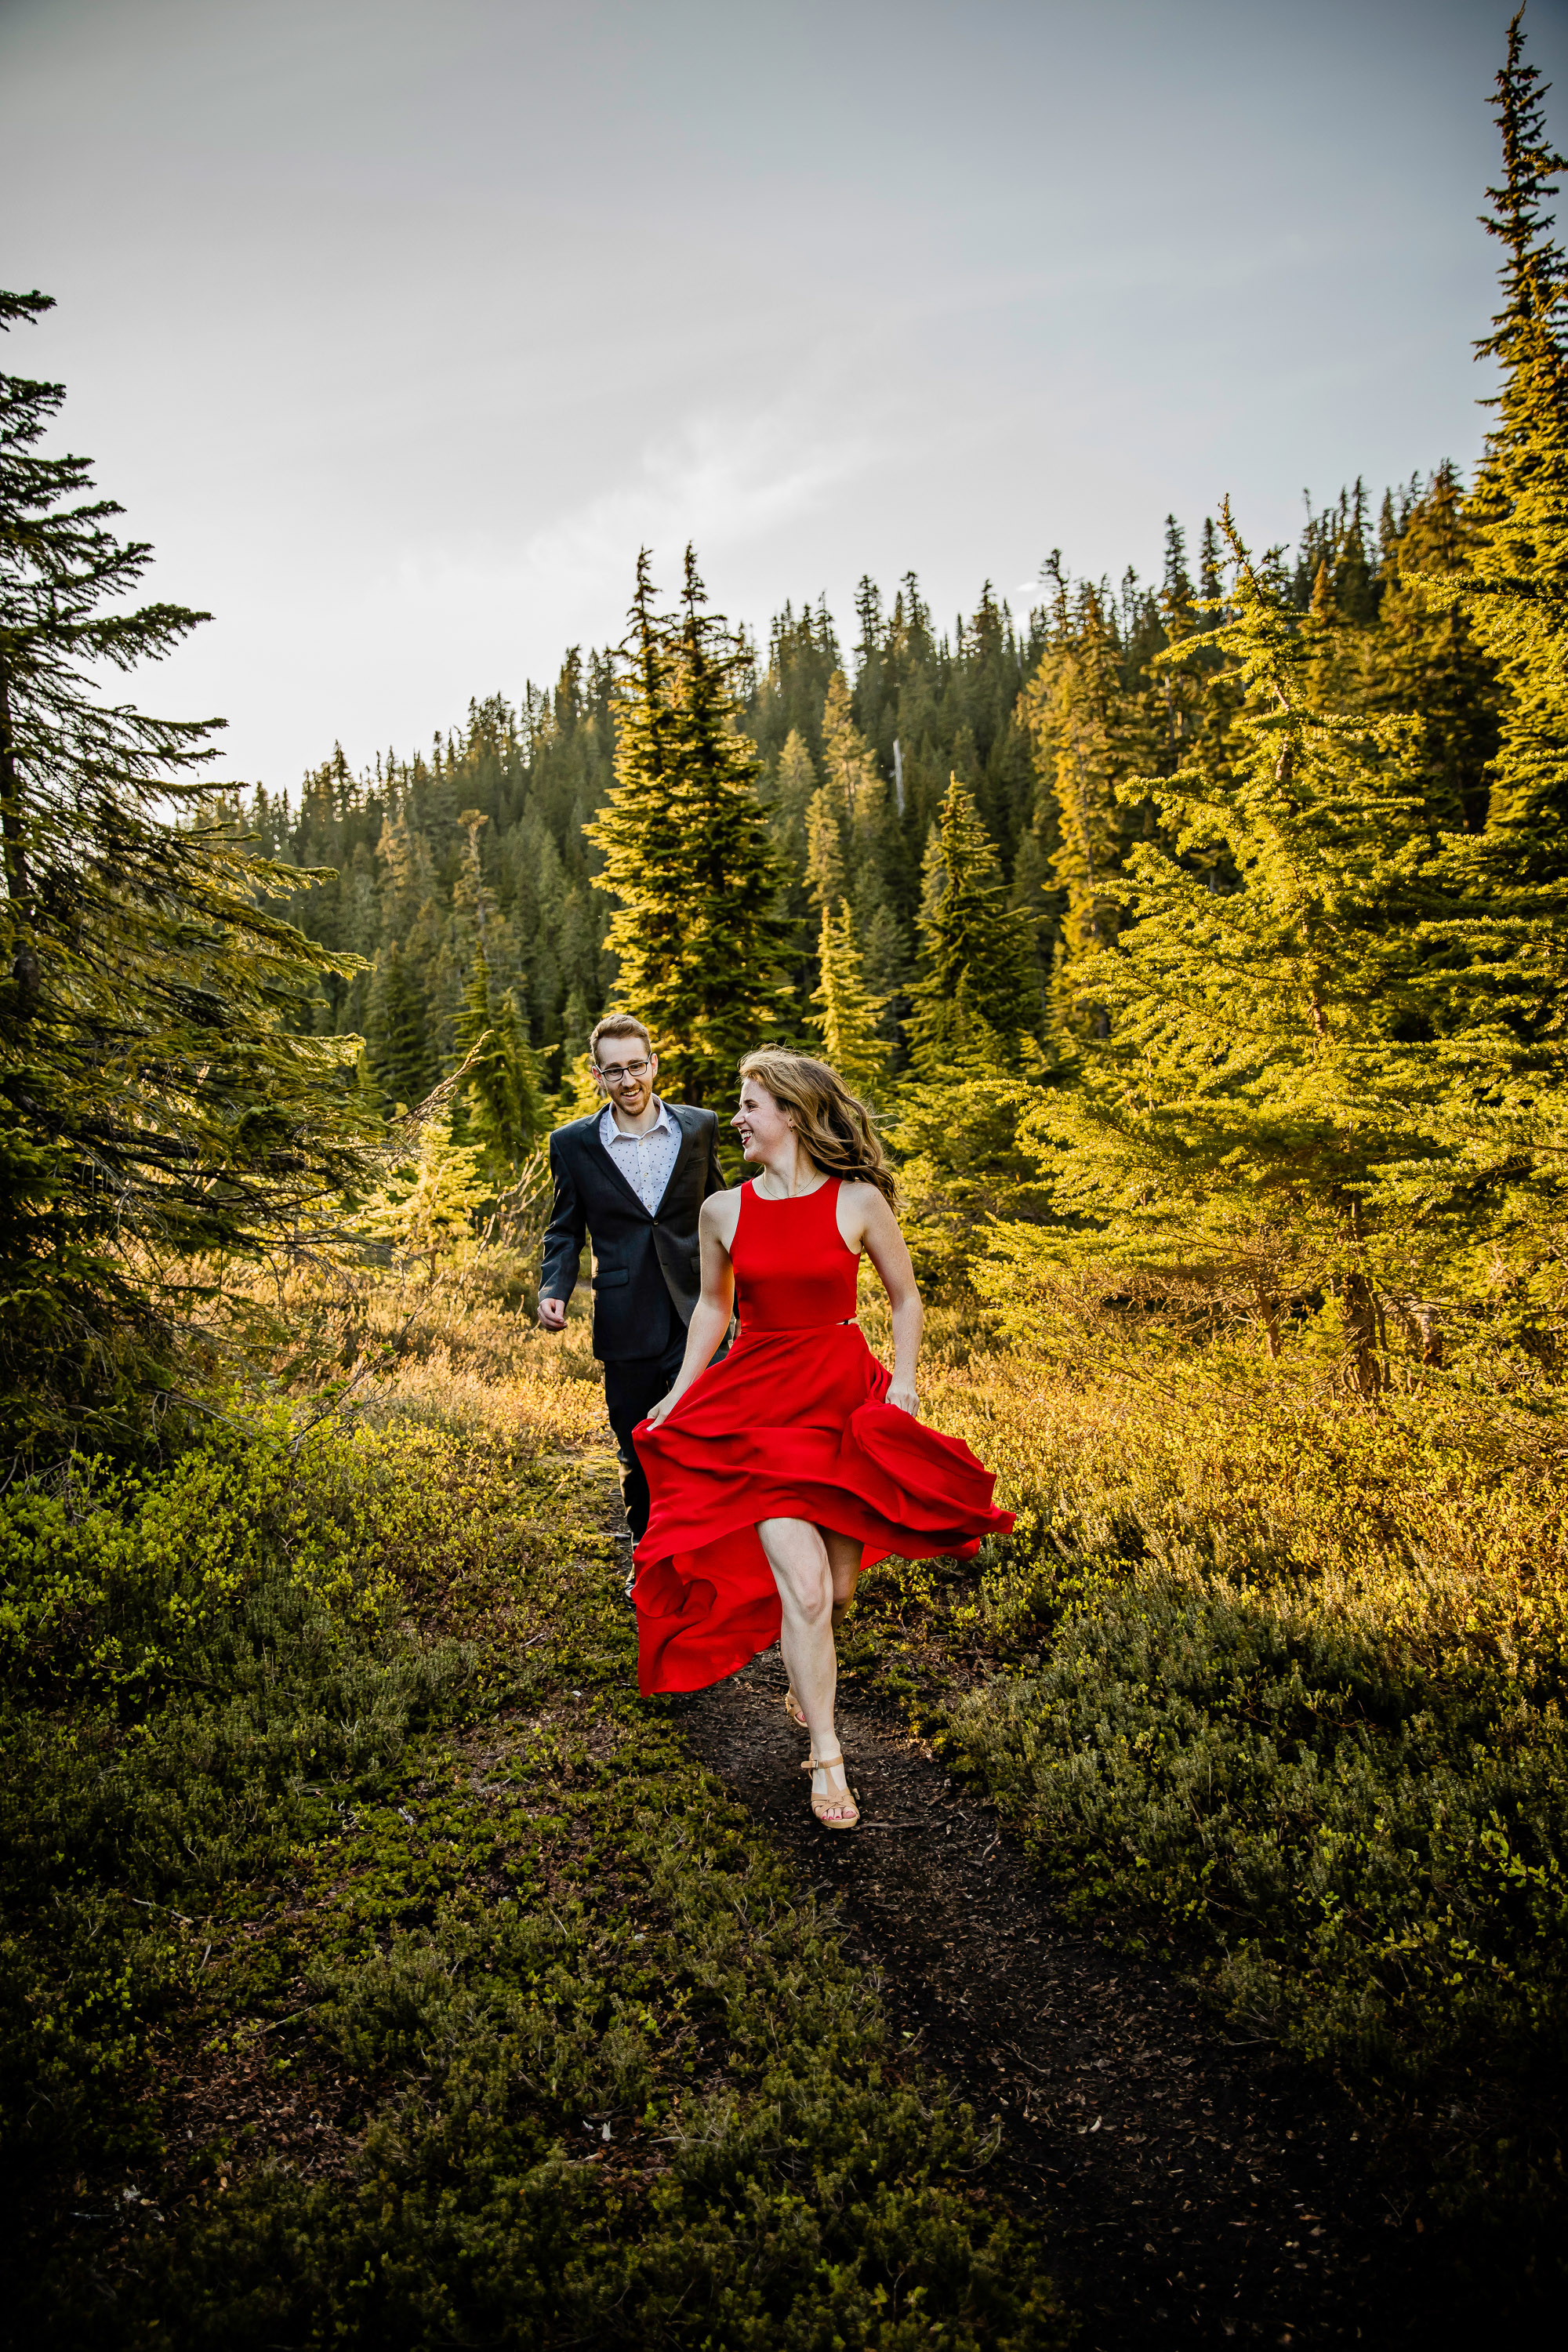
(844, 1565)
(798, 1557)
(844, 1568)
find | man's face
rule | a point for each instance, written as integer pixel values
(626, 1072)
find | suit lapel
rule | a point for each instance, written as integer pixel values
(606, 1158)
(683, 1151)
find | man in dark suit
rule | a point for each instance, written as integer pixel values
(634, 1175)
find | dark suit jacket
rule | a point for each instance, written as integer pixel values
(642, 1258)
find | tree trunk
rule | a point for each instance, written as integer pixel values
(1364, 1367)
(1423, 1331)
(13, 841)
(1431, 1335)
(1268, 1316)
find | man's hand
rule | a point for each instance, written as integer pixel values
(552, 1314)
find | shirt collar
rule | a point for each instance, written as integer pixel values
(611, 1133)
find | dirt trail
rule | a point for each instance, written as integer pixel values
(1197, 2192)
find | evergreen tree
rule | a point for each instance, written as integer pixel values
(1335, 542)
(887, 966)
(1176, 592)
(160, 1093)
(965, 1158)
(1090, 734)
(826, 863)
(402, 1056)
(432, 1206)
(701, 941)
(849, 1011)
(978, 987)
(792, 788)
(468, 892)
(1073, 707)
(639, 830)
(1292, 1093)
(849, 822)
(1516, 596)
(504, 1113)
(788, 794)
(869, 680)
(802, 653)
(1176, 696)
(1422, 655)
(976, 1005)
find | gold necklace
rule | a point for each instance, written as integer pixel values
(821, 1181)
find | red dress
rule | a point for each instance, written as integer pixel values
(792, 1425)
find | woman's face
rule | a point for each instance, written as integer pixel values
(761, 1123)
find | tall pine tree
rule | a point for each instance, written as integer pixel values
(698, 927)
(502, 1106)
(978, 989)
(1087, 740)
(638, 830)
(160, 1094)
(1422, 655)
(402, 1054)
(847, 1011)
(1516, 594)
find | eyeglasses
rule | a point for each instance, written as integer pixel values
(613, 1073)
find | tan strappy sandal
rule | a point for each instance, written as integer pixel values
(792, 1709)
(849, 1821)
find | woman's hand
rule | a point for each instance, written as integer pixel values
(666, 1404)
(902, 1394)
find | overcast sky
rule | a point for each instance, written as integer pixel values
(397, 328)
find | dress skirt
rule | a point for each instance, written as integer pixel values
(790, 1424)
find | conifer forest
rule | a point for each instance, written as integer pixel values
(379, 1969)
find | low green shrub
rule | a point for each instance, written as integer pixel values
(1290, 1677)
(1378, 1852)
(1279, 1685)
(656, 2108)
(379, 1971)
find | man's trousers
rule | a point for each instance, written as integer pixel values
(633, 1386)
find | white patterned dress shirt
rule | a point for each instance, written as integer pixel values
(647, 1162)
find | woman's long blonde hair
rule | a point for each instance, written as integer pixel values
(834, 1126)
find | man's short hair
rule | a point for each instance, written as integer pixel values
(619, 1025)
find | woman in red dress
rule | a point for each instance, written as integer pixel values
(780, 1473)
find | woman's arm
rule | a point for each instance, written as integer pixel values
(710, 1316)
(886, 1247)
